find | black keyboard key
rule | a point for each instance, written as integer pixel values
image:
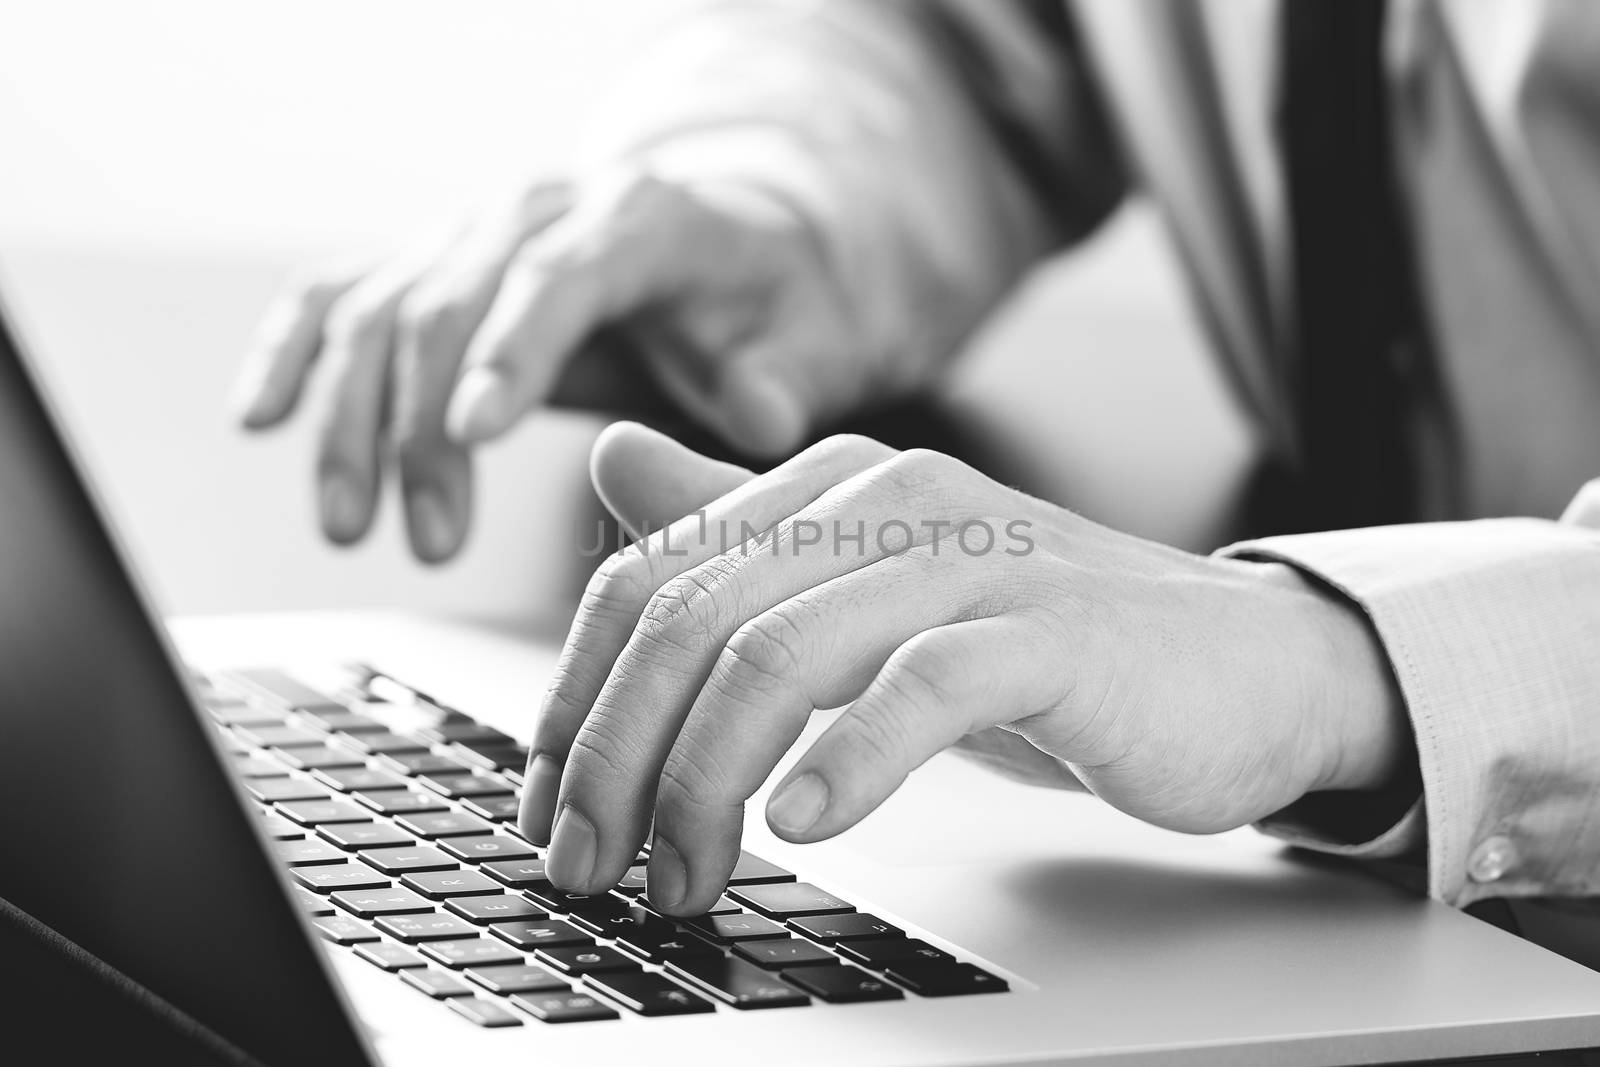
(282, 787)
(584, 959)
(374, 744)
(246, 715)
(352, 779)
(390, 957)
(946, 979)
(278, 736)
(633, 882)
(339, 876)
(502, 907)
(648, 994)
(317, 812)
(731, 929)
(430, 825)
(509, 978)
(410, 763)
(784, 900)
(563, 1007)
(403, 859)
(480, 848)
(477, 952)
(370, 903)
(562, 903)
(354, 835)
(463, 729)
(776, 955)
(443, 884)
(472, 784)
(753, 870)
(310, 903)
(401, 801)
(257, 767)
(342, 720)
(490, 757)
(600, 915)
(413, 929)
(497, 809)
(657, 940)
(343, 930)
(280, 829)
(483, 1012)
(885, 952)
(313, 757)
(855, 926)
(282, 690)
(437, 984)
(839, 984)
(740, 984)
(309, 852)
(530, 934)
(723, 906)
(518, 874)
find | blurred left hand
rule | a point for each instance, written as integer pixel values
(1196, 693)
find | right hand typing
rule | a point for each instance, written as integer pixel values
(723, 290)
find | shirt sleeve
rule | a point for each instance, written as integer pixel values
(1492, 628)
(938, 148)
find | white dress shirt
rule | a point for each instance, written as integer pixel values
(891, 125)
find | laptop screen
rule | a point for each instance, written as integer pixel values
(122, 831)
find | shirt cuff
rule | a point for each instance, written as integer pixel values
(1492, 629)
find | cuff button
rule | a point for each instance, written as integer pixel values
(1493, 857)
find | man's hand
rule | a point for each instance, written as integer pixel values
(724, 291)
(1195, 693)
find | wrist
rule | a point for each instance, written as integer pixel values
(1356, 731)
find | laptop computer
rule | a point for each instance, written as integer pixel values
(309, 867)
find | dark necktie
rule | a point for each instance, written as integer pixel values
(1355, 311)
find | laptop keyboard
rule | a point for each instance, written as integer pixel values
(396, 816)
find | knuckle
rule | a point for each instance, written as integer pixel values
(357, 323)
(419, 445)
(844, 447)
(638, 191)
(619, 587)
(684, 614)
(922, 672)
(880, 737)
(562, 699)
(603, 752)
(433, 322)
(312, 290)
(764, 654)
(920, 469)
(694, 780)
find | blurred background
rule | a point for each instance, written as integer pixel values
(167, 163)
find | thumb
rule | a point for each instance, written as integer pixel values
(647, 479)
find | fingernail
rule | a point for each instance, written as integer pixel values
(430, 523)
(666, 881)
(540, 787)
(768, 416)
(572, 847)
(481, 406)
(796, 807)
(341, 507)
(247, 402)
